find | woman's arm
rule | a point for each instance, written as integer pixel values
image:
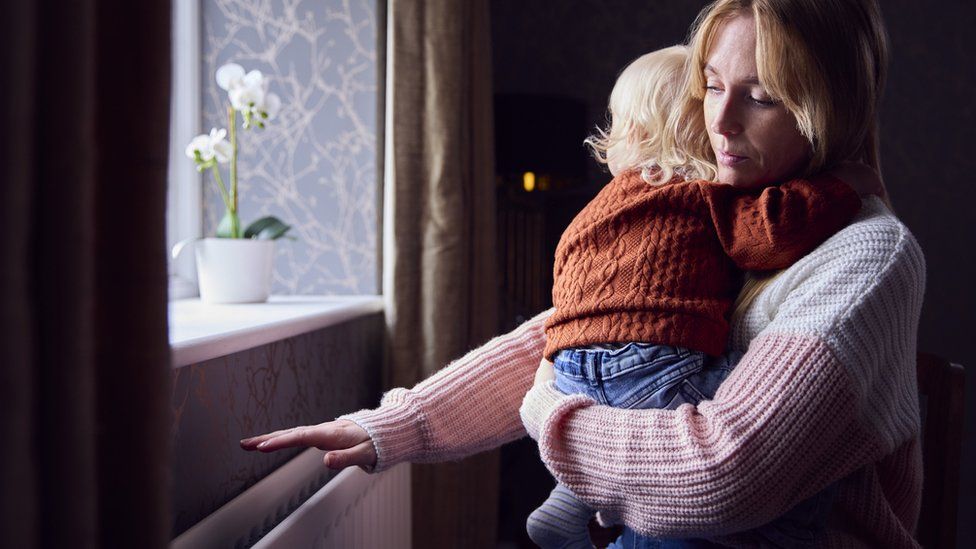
(827, 388)
(467, 407)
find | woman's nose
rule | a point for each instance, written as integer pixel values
(726, 120)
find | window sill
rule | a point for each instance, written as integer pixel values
(199, 331)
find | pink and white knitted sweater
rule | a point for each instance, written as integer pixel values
(825, 393)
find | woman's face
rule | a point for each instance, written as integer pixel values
(755, 139)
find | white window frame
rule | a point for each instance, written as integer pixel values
(184, 195)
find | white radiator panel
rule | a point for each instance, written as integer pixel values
(354, 510)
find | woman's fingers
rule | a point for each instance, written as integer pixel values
(360, 454)
(332, 435)
(251, 443)
(305, 436)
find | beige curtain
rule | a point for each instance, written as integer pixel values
(84, 366)
(439, 235)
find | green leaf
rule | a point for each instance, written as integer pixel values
(267, 228)
(229, 226)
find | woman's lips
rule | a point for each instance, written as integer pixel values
(729, 159)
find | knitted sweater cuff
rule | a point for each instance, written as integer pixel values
(542, 403)
(394, 429)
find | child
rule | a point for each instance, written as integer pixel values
(646, 274)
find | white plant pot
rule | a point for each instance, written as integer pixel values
(234, 270)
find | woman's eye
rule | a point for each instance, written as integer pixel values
(765, 102)
(712, 89)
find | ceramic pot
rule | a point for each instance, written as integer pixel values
(234, 270)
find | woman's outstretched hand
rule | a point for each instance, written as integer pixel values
(344, 442)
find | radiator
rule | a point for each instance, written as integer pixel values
(352, 510)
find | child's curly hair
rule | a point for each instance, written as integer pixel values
(640, 103)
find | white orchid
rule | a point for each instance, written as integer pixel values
(230, 76)
(272, 104)
(210, 146)
(248, 93)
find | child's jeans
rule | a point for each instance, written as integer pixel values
(644, 375)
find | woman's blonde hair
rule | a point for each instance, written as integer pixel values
(826, 60)
(645, 93)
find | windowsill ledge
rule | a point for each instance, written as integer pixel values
(200, 331)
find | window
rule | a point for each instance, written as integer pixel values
(315, 164)
(184, 200)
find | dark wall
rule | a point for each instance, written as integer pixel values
(929, 165)
(577, 48)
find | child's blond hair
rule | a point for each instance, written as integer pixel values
(641, 100)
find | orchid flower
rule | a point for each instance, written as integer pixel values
(248, 93)
(210, 147)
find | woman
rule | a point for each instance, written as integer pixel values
(825, 394)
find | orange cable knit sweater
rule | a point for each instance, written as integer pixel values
(661, 263)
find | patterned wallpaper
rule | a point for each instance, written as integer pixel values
(315, 164)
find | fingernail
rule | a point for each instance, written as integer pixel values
(263, 444)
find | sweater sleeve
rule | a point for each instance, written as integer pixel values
(827, 388)
(774, 228)
(468, 407)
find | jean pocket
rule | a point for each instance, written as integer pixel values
(578, 385)
(634, 357)
(568, 363)
(702, 384)
(570, 384)
(649, 385)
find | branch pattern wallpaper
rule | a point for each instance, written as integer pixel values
(315, 164)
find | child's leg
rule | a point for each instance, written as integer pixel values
(632, 375)
(561, 522)
(645, 375)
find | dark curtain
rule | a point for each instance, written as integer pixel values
(439, 236)
(83, 392)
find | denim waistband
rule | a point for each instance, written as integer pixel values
(604, 363)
